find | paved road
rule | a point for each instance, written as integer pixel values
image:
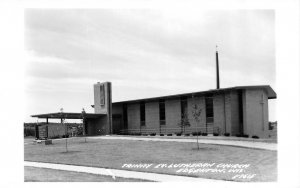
(247, 144)
(123, 173)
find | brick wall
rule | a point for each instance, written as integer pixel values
(227, 126)
(219, 115)
(255, 118)
(200, 101)
(152, 114)
(133, 112)
(234, 124)
(173, 113)
(256, 115)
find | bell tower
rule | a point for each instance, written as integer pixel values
(102, 104)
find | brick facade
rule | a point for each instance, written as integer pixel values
(235, 111)
(133, 112)
(152, 115)
(200, 101)
(238, 110)
(219, 112)
(256, 112)
(173, 113)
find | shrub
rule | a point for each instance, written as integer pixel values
(256, 137)
(216, 134)
(195, 133)
(54, 137)
(227, 134)
(204, 134)
(29, 132)
(169, 134)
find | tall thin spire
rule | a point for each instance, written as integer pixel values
(217, 67)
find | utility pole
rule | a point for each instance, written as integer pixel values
(217, 67)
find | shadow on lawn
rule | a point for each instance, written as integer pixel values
(204, 149)
(69, 152)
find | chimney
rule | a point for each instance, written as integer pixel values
(217, 67)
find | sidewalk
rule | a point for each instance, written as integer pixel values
(123, 173)
(247, 144)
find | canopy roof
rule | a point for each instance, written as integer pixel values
(68, 115)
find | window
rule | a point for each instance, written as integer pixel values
(125, 120)
(142, 113)
(162, 112)
(183, 102)
(209, 109)
(102, 95)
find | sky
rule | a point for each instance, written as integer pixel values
(143, 52)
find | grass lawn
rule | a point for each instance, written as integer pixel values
(33, 174)
(209, 137)
(115, 153)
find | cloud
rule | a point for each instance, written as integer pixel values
(33, 57)
(145, 52)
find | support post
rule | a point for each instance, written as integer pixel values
(217, 66)
(37, 131)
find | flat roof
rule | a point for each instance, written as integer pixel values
(67, 115)
(270, 92)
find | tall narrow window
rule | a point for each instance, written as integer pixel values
(241, 120)
(102, 95)
(162, 112)
(125, 120)
(183, 102)
(209, 109)
(142, 113)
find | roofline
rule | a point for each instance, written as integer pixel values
(72, 115)
(270, 92)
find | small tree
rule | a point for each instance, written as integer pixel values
(65, 125)
(197, 117)
(184, 122)
(83, 113)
